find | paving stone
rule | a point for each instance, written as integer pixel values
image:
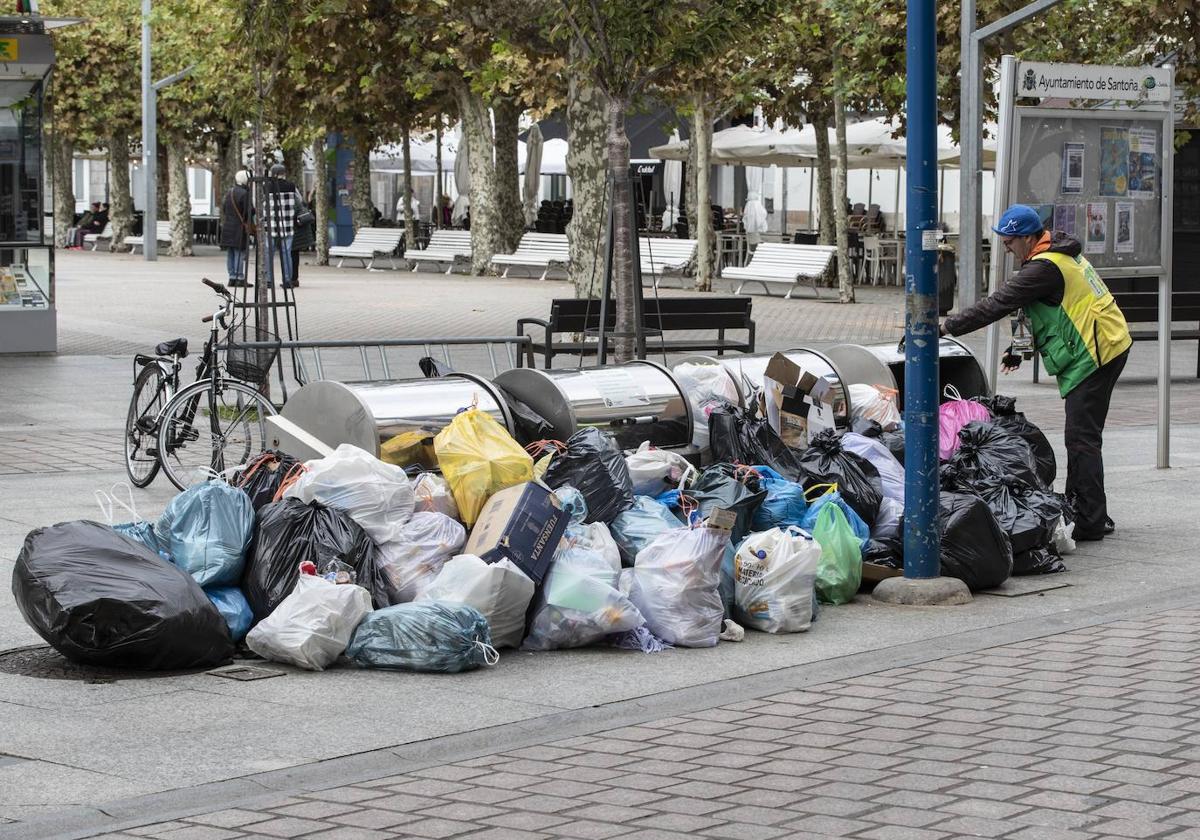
(461, 811)
(502, 833)
(828, 825)
(374, 818)
(348, 794)
(350, 833)
(900, 832)
(609, 813)
(197, 832)
(591, 830)
(315, 810)
(745, 831)
(687, 823)
(623, 796)
(975, 826)
(1133, 829)
(755, 814)
(438, 828)
(525, 820)
(230, 818)
(289, 827)
(1044, 833)
(894, 815)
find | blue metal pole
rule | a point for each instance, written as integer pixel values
(921, 536)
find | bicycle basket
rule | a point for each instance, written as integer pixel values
(250, 364)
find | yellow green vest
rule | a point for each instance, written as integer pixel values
(1082, 333)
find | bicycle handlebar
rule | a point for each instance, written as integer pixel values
(219, 288)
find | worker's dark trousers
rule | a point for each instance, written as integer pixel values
(1087, 409)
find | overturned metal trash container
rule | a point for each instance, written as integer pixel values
(883, 364)
(635, 402)
(368, 415)
(748, 371)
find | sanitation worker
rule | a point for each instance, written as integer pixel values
(1082, 337)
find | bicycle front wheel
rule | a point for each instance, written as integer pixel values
(150, 395)
(207, 429)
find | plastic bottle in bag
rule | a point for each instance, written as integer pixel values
(775, 572)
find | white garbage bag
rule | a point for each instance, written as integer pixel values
(377, 496)
(874, 402)
(579, 604)
(675, 584)
(887, 523)
(500, 591)
(413, 560)
(891, 471)
(1064, 536)
(433, 494)
(706, 386)
(655, 471)
(774, 575)
(312, 626)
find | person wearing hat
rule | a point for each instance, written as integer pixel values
(1082, 337)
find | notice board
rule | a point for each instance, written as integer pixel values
(1097, 176)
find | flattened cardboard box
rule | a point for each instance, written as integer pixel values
(797, 401)
(524, 524)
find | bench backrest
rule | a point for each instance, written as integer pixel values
(162, 231)
(667, 250)
(682, 313)
(778, 258)
(544, 243)
(389, 237)
(104, 234)
(1142, 306)
(450, 240)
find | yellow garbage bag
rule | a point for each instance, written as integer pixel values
(477, 458)
(409, 448)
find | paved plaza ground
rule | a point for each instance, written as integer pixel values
(1059, 707)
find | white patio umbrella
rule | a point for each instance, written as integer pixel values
(390, 158)
(462, 180)
(533, 172)
(745, 145)
(672, 183)
(754, 214)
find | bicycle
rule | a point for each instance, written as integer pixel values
(160, 427)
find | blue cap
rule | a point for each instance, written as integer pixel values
(1019, 220)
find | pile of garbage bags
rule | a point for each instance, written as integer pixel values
(563, 544)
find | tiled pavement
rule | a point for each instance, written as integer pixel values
(1092, 733)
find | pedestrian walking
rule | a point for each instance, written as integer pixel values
(280, 199)
(1082, 337)
(237, 226)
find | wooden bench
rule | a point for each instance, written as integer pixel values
(162, 233)
(93, 239)
(663, 257)
(536, 250)
(445, 246)
(784, 265)
(368, 244)
(575, 316)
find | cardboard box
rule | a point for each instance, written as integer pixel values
(798, 402)
(524, 524)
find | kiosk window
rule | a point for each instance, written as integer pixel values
(20, 162)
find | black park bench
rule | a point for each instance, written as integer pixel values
(573, 318)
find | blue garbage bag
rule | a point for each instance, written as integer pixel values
(833, 497)
(206, 530)
(785, 503)
(142, 532)
(432, 636)
(234, 608)
(636, 528)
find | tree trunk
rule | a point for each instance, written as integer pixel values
(845, 280)
(702, 141)
(362, 211)
(410, 223)
(120, 209)
(161, 184)
(691, 205)
(486, 236)
(438, 184)
(511, 212)
(293, 162)
(825, 208)
(623, 276)
(179, 203)
(586, 166)
(321, 199)
(64, 192)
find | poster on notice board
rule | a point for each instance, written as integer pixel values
(1097, 227)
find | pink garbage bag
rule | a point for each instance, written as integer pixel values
(952, 416)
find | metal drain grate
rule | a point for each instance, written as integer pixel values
(245, 673)
(45, 663)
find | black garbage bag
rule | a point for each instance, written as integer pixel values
(825, 462)
(101, 598)
(431, 368)
(596, 468)
(262, 475)
(288, 532)
(1027, 514)
(974, 549)
(1005, 415)
(1038, 561)
(989, 449)
(741, 436)
(530, 426)
(736, 489)
(893, 440)
(888, 551)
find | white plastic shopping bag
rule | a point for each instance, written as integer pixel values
(774, 575)
(500, 591)
(874, 402)
(433, 494)
(413, 560)
(675, 584)
(377, 496)
(706, 386)
(312, 626)
(655, 471)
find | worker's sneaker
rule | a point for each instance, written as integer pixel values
(1110, 527)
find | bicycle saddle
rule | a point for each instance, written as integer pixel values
(174, 347)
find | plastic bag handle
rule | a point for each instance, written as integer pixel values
(741, 472)
(253, 466)
(687, 474)
(891, 393)
(951, 393)
(109, 501)
(490, 655)
(539, 446)
(688, 505)
(832, 488)
(291, 477)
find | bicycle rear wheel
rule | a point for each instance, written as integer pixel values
(206, 430)
(141, 430)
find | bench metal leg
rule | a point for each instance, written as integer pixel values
(544, 273)
(340, 261)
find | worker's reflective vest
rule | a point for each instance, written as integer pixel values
(1082, 333)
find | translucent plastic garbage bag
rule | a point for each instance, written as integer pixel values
(433, 495)
(312, 626)
(891, 471)
(655, 471)
(839, 573)
(639, 526)
(206, 530)
(707, 387)
(580, 604)
(431, 636)
(378, 496)
(775, 573)
(500, 592)
(674, 583)
(580, 534)
(413, 560)
(952, 416)
(874, 402)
